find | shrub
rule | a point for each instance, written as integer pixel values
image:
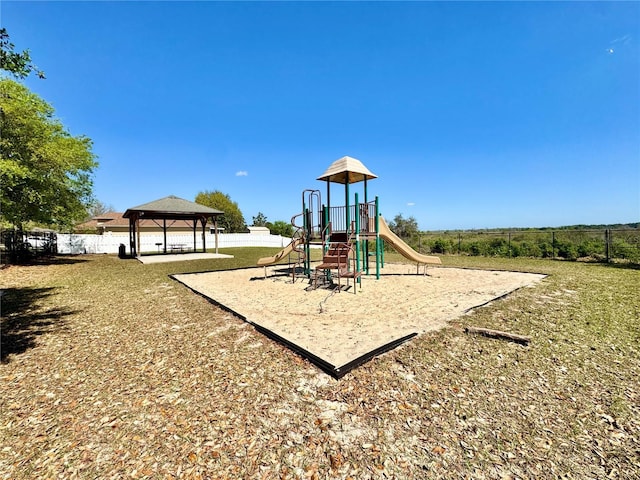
(546, 250)
(566, 249)
(476, 248)
(498, 247)
(528, 249)
(622, 249)
(440, 246)
(590, 248)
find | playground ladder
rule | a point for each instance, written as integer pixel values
(336, 258)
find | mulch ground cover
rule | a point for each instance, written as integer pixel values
(110, 369)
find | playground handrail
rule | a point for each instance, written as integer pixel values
(293, 221)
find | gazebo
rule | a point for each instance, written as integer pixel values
(170, 208)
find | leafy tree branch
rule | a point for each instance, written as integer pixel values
(17, 64)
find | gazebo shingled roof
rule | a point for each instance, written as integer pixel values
(172, 207)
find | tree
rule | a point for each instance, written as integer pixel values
(232, 220)
(282, 228)
(260, 220)
(45, 172)
(404, 228)
(17, 64)
(98, 208)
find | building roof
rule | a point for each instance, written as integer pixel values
(116, 219)
(259, 230)
(172, 207)
(110, 219)
(347, 168)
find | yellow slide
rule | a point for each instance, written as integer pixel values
(281, 254)
(401, 247)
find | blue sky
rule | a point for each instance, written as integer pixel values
(473, 115)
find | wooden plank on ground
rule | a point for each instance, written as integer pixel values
(487, 332)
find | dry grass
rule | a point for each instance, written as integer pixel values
(112, 370)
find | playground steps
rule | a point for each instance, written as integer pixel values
(340, 237)
(337, 258)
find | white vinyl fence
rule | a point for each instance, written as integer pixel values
(110, 242)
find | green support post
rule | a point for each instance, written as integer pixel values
(325, 246)
(346, 201)
(365, 244)
(378, 243)
(307, 239)
(357, 234)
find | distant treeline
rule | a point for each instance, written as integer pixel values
(613, 226)
(593, 242)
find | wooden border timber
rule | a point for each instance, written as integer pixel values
(487, 332)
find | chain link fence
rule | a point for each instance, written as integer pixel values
(597, 245)
(604, 245)
(18, 246)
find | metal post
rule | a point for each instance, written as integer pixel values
(307, 240)
(357, 234)
(328, 193)
(325, 209)
(365, 245)
(346, 201)
(378, 242)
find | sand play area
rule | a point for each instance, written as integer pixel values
(339, 327)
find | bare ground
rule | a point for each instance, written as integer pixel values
(112, 370)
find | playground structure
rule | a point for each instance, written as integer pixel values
(350, 235)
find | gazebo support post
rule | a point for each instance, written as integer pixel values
(132, 236)
(195, 227)
(164, 232)
(215, 229)
(139, 246)
(204, 240)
